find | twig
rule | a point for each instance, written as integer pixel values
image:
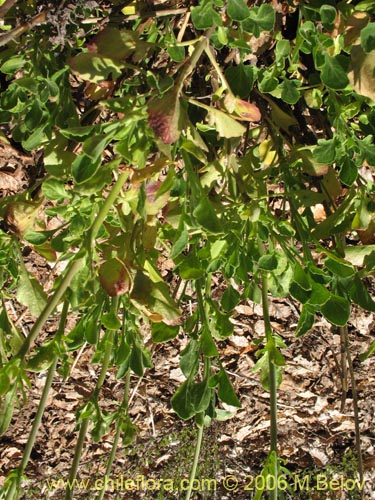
(157, 13)
(16, 32)
(7, 5)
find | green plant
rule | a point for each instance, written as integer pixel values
(219, 166)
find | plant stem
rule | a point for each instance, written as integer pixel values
(50, 306)
(94, 396)
(192, 62)
(207, 369)
(272, 379)
(344, 367)
(119, 421)
(193, 472)
(72, 269)
(39, 414)
(109, 201)
(355, 408)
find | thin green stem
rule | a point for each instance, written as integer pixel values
(356, 409)
(120, 419)
(50, 306)
(193, 472)
(109, 201)
(272, 378)
(39, 414)
(93, 397)
(192, 62)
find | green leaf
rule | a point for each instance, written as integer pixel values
(261, 19)
(83, 168)
(13, 64)
(266, 17)
(7, 409)
(4, 382)
(325, 151)
(348, 172)
(206, 216)
(204, 16)
(306, 320)
(44, 358)
(78, 133)
(268, 262)
(368, 353)
(319, 295)
(176, 53)
(111, 321)
(336, 310)
(282, 49)
(191, 268)
(30, 293)
(94, 68)
(339, 266)
(289, 91)
(230, 299)
(226, 392)
(179, 245)
(360, 295)
(207, 343)
(182, 402)
(93, 146)
(189, 360)
(200, 395)
(241, 79)
(333, 74)
(139, 359)
(367, 148)
(368, 37)
(328, 16)
(160, 332)
(55, 189)
(38, 237)
(35, 139)
(237, 10)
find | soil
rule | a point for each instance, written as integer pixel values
(316, 428)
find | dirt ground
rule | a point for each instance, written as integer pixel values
(316, 436)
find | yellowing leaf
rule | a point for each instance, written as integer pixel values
(21, 216)
(361, 75)
(247, 111)
(225, 125)
(267, 154)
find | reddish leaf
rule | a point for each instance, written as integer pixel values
(163, 117)
(114, 277)
(247, 111)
